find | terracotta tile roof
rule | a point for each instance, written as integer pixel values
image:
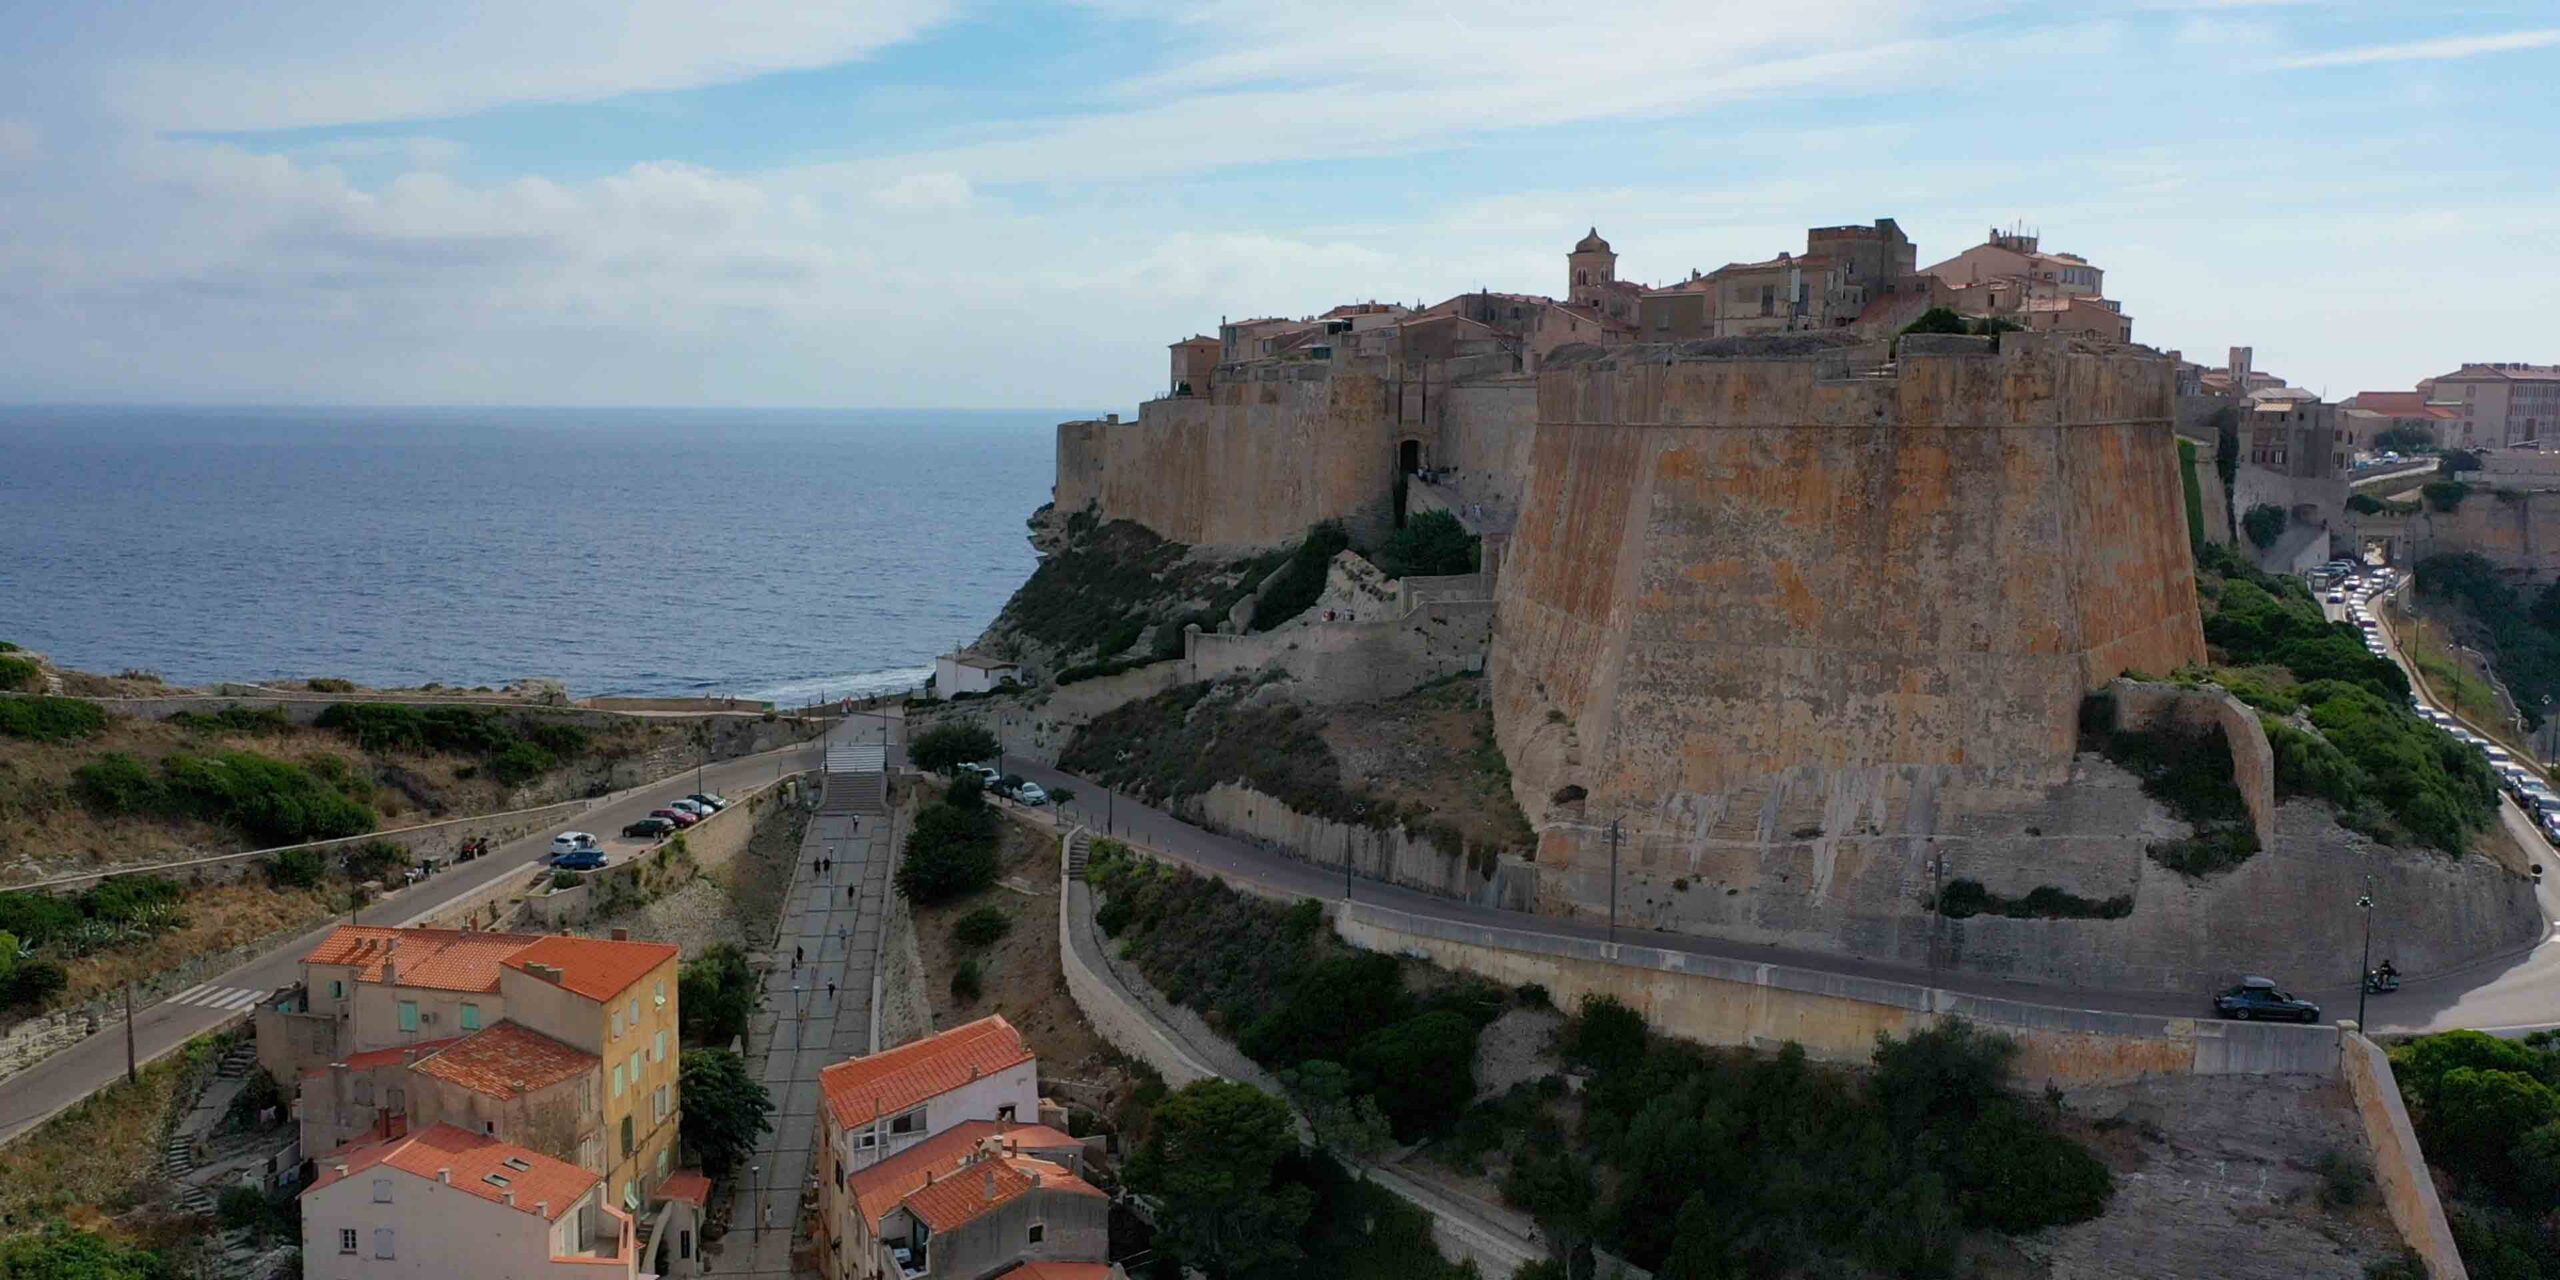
(2400, 404)
(888, 1082)
(689, 1185)
(594, 967)
(962, 1195)
(436, 959)
(1060, 1271)
(539, 1183)
(372, 1058)
(884, 1186)
(505, 1060)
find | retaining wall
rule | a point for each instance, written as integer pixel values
(1355, 661)
(2408, 1190)
(1395, 854)
(713, 844)
(2141, 706)
(1837, 1017)
(421, 840)
(1119, 1024)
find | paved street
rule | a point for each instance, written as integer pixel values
(55, 1083)
(829, 934)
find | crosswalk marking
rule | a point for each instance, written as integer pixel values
(208, 996)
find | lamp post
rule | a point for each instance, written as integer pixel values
(2365, 904)
(755, 1201)
(1938, 868)
(1613, 879)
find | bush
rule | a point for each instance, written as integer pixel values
(966, 981)
(50, 719)
(2264, 524)
(1431, 544)
(1968, 897)
(1422, 1071)
(2409, 439)
(117, 783)
(951, 853)
(2187, 771)
(2364, 504)
(271, 800)
(36, 983)
(1301, 581)
(2444, 495)
(715, 994)
(256, 720)
(376, 726)
(297, 869)
(945, 747)
(372, 859)
(522, 763)
(326, 684)
(20, 674)
(981, 927)
(566, 879)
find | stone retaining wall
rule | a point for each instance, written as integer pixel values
(1395, 855)
(713, 844)
(438, 838)
(2142, 706)
(2408, 1190)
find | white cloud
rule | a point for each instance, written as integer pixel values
(300, 63)
(926, 191)
(2438, 50)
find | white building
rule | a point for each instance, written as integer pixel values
(883, 1103)
(445, 1202)
(958, 673)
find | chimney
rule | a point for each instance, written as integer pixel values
(390, 972)
(445, 1175)
(621, 934)
(507, 1198)
(542, 1207)
(342, 1170)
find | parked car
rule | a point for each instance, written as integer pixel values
(694, 807)
(2259, 999)
(1032, 793)
(2337, 597)
(676, 816)
(716, 801)
(571, 842)
(650, 829)
(582, 860)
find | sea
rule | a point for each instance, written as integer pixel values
(770, 554)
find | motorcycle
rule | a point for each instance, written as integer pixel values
(2382, 981)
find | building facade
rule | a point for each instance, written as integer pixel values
(2495, 405)
(442, 1202)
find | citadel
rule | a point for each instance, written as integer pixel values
(1787, 617)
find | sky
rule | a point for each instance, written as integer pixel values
(948, 203)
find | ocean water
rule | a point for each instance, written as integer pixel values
(760, 554)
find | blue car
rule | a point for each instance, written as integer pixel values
(582, 860)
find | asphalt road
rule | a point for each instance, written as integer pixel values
(32, 1095)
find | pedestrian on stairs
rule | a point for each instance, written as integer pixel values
(796, 956)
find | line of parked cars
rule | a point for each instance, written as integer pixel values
(1007, 784)
(581, 851)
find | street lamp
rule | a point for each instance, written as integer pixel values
(1938, 869)
(2365, 904)
(755, 1201)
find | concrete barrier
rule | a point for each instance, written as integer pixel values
(1835, 1016)
(1120, 1023)
(2400, 1168)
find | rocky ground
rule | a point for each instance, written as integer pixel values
(1433, 749)
(736, 904)
(2220, 1178)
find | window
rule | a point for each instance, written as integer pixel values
(908, 1123)
(658, 1049)
(364, 1091)
(382, 1191)
(665, 1103)
(631, 1194)
(1038, 1229)
(662, 1162)
(382, 1242)
(630, 1130)
(470, 1017)
(633, 1017)
(338, 991)
(617, 1024)
(346, 1239)
(617, 1080)
(635, 1066)
(865, 1140)
(662, 994)
(408, 1015)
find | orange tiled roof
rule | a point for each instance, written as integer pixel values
(539, 1183)
(893, 1080)
(436, 959)
(595, 967)
(689, 1185)
(1060, 1271)
(372, 1058)
(973, 1190)
(884, 1186)
(505, 1060)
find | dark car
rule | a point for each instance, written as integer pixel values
(582, 860)
(649, 829)
(2258, 999)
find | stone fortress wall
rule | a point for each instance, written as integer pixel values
(1810, 620)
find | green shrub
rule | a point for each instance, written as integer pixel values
(967, 983)
(2264, 524)
(50, 719)
(566, 879)
(265, 721)
(2364, 504)
(1431, 544)
(521, 763)
(2444, 495)
(566, 741)
(297, 869)
(947, 746)
(20, 675)
(2190, 773)
(1421, 1070)
(35, 983)
(950, 853)
(376, 726)
(1301, 580)
(716, 994)
(271, 800)
(372, 859)
(118, 783)
(1968, 897)
(325, 684)
(981, 927)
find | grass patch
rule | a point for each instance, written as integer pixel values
(50, 719)
(2189, 772)
(104, 1153)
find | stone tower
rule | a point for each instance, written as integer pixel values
(1593, 266)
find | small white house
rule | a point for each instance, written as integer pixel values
(443, 1201)
(958, 673)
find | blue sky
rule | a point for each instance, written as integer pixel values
(943, 203)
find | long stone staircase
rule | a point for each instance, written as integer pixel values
(857, 779)
(1079, 852)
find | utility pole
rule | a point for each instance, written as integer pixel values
(1937, 912)
(1613, 880)
(2365, 904)
(132, 1070)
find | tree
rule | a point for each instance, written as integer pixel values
(1422, 1070)
(1208, 1161)
(951, 853)
(1431, 543)
(2408, 439)
(59, 1253)
(945, 747)
(725, 1109)
(714, 994)
(1936, 320)
(2454, 461)
(2264, 524)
